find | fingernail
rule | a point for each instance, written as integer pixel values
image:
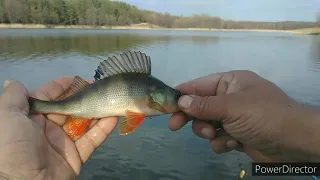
(6, 83)
(207, 132)
(185, 102)
(231, 143)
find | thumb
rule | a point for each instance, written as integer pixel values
(14, 97)
(203, 108)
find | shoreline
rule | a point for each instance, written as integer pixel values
(145, 26)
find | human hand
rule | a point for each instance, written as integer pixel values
(33, 147)
(257, 116)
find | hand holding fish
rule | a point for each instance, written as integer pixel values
(32, 146)
(257, 117)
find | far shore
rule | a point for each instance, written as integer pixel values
(145, 26)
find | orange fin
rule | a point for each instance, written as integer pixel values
(77, 126)
(77, 85)
(130, 123)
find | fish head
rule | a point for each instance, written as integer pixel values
(164, 98)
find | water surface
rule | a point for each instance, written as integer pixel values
(153, 151)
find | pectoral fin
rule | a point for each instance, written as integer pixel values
(130, 123)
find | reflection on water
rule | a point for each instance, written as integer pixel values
(153, 151)
(88, 43)
(203, 41)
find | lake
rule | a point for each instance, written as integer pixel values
(153, 151)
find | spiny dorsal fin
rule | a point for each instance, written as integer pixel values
(126, 62)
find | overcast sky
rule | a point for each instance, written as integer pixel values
(257, 10)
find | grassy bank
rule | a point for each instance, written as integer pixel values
(146, 26)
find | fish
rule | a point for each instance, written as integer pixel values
(123, 86)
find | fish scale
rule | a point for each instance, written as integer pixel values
(115, 97)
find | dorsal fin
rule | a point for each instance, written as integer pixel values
(127, 62)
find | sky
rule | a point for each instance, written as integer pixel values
(254, 10)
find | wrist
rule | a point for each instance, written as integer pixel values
(303, 134)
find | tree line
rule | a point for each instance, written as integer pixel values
(115, 13)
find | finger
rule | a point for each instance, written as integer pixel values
(204, 108)
(210, 85)
(53, 89)
(15, 97)
(256, 155)
(223, 142)
(177, 121)
(203, 129)
(219, 145)
(95, 137)
(232, 143)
